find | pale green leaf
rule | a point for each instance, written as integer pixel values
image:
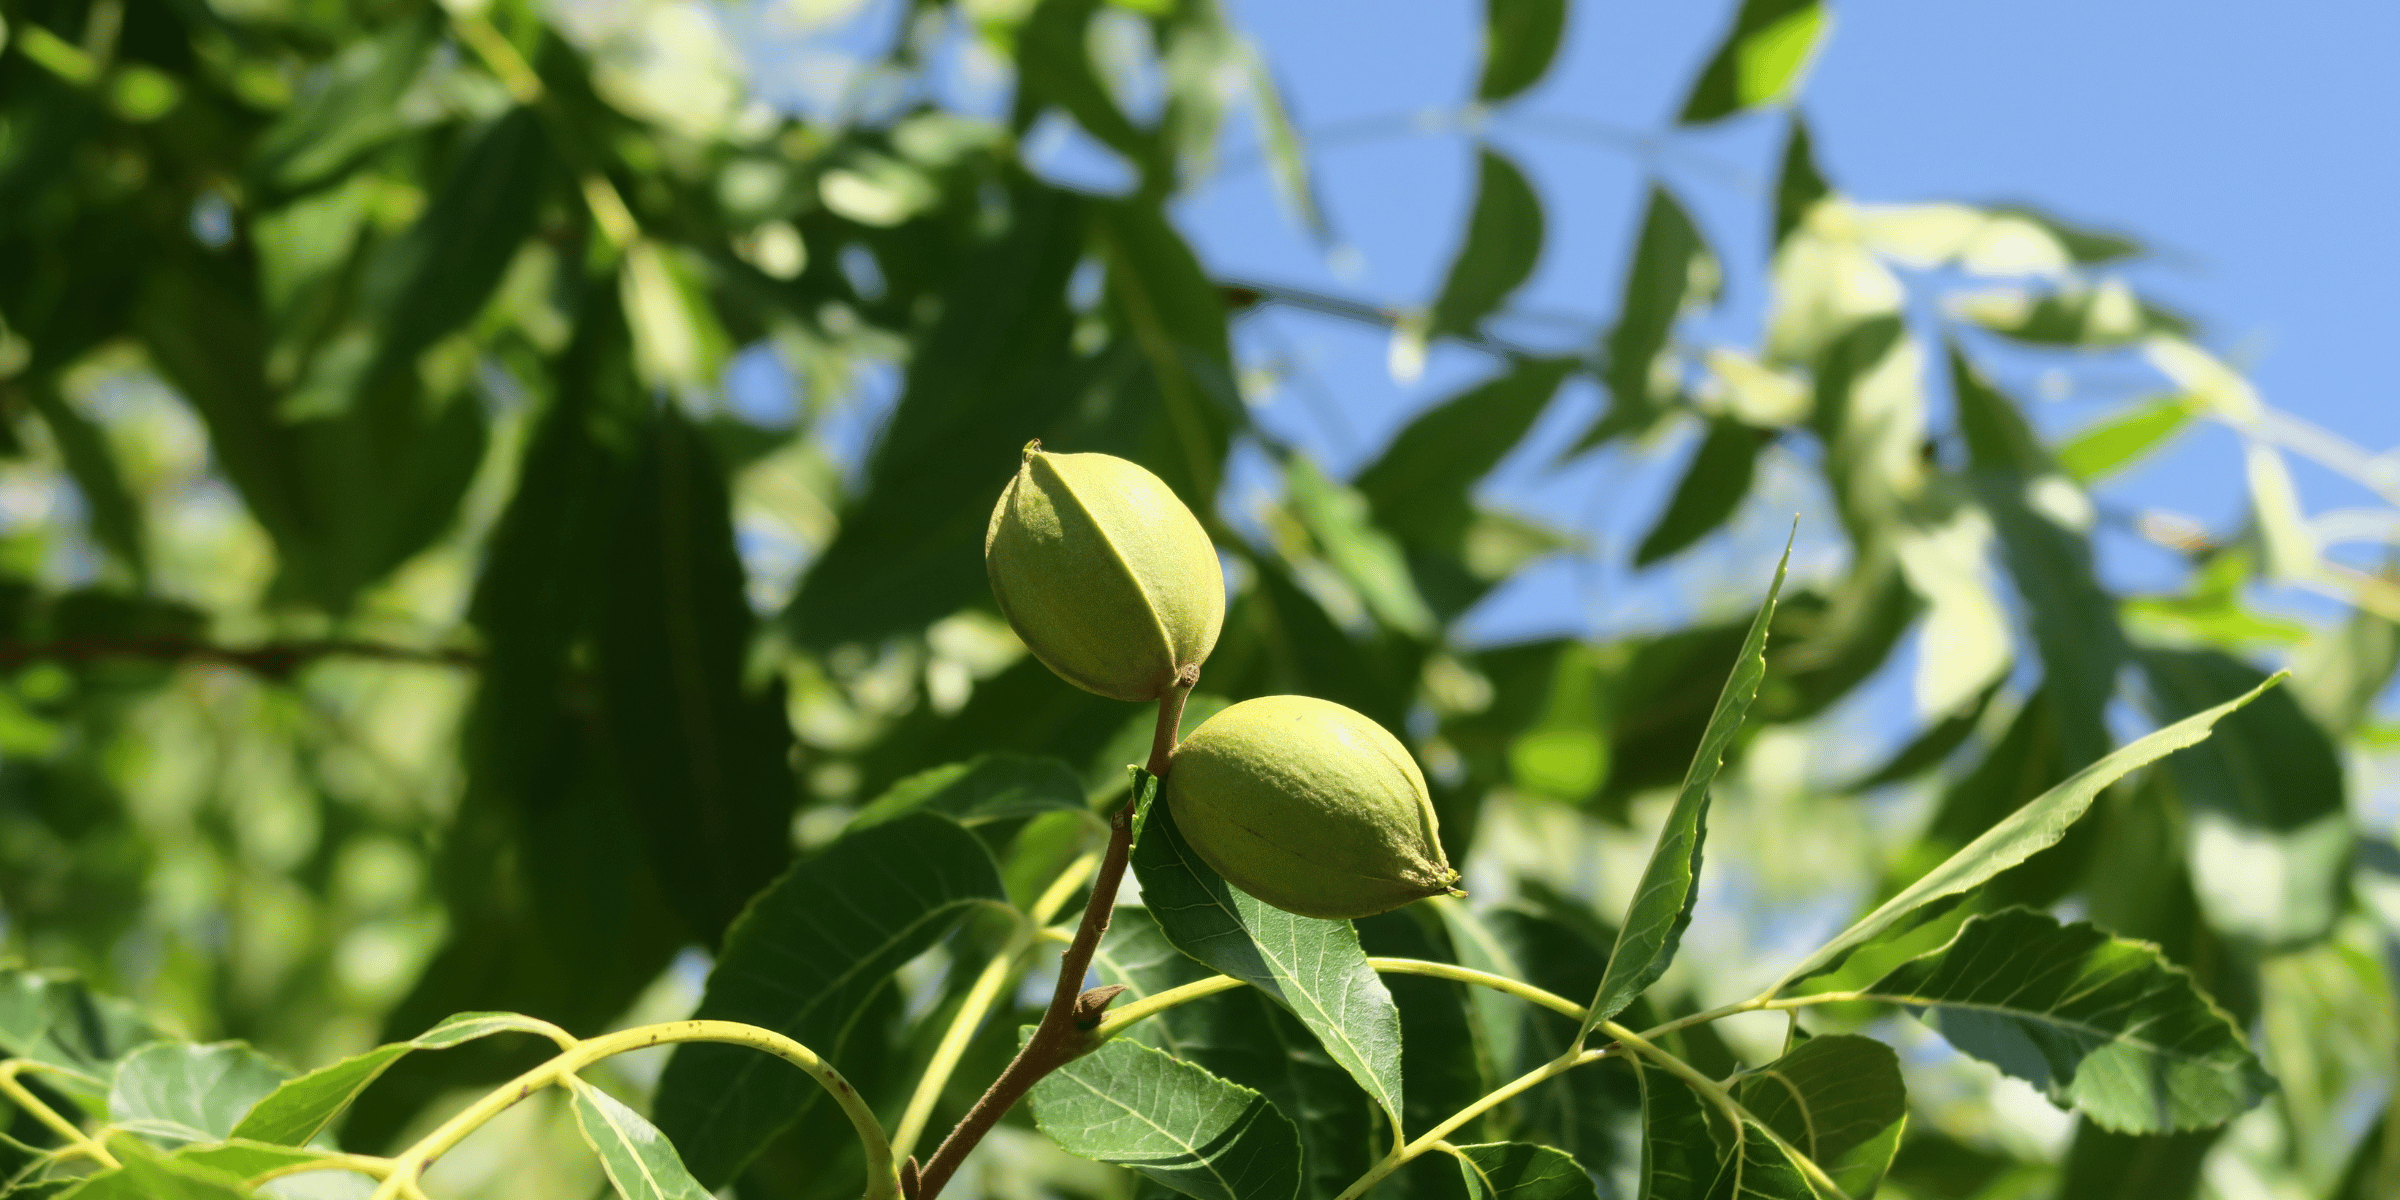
(299, 1108)
(640, 1161)
(2118, 441)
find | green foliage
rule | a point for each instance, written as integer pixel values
(426, 630)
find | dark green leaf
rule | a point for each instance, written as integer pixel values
(1714, 485)
(1662, 902)
(994, 372)
(1439, 1056)
(1172, 1122)
(705, 758)
(1055, 61)
(1672, 272)
(641, 1163)
(1799, 184)
(1520, 37)
(1839, 1100)
(2099, 1022)
(1761, 59)
(174, 1092)
(2088, 316)
(1504, 242)
(2031, 829)
(1311, 966)
(2374, 1169)
(804, 958)
(2269, 831)
(1517, 1171)
(2101, 1165)
(1679, 1150)
(1421, 487)
(2117, 441)
(2085, 246)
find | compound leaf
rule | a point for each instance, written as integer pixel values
(2099, 1022)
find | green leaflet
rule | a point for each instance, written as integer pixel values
(1171, 1121)
(175, 1092)
(1837, 1099)
(2117, 441)
(1367, 558)
(1662, 903)
(149, 1174)
(641, 1163)
(1247, 1039)
(2105, 1024)
(1504, 242)
(806, 954)
(1518, 1171)
(1672, 272)
(1421, 486)
(2033, 828)
(300, 1108)
(1760, 61)
(1714, 484)
(1312, 967)
(1520, 38)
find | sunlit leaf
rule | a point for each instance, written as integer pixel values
(2099, 1022)
(641, 1163)
(1662, 901)
(1761, 60)
(1337, 519)
(2117, 442)
(301, 1107)
(2031, 829)
(988, 787)
(147, 1174)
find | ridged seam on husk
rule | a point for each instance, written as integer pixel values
(1166, 637)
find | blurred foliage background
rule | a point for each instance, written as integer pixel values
(480, 492)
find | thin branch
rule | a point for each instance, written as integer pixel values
(1069, 1028)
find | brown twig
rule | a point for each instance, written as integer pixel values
(276, 660)
(1065, 1031)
